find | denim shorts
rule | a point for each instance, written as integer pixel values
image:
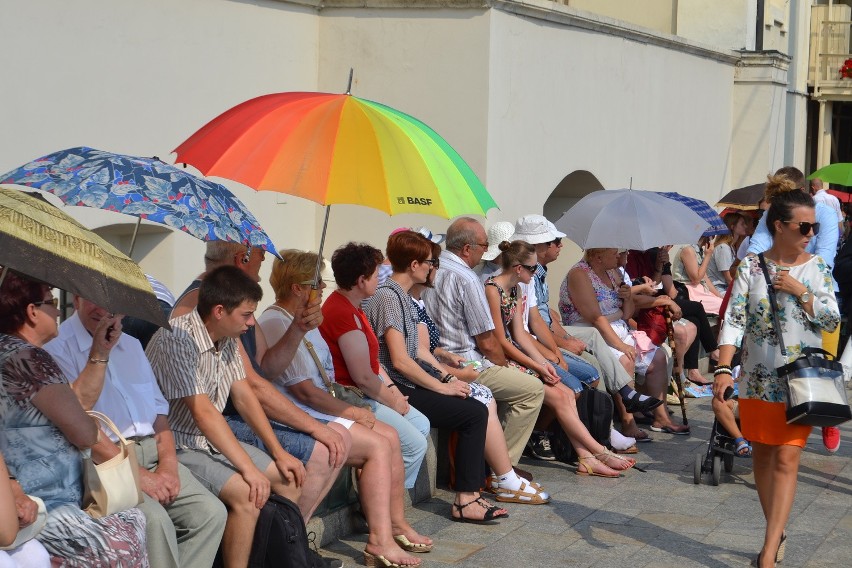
(297, 444)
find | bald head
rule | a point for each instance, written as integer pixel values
(462, 231)
(816, 185)
(466, 238)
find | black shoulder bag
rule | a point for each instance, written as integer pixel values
(816, 394)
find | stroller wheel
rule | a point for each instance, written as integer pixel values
(728, 462)
(717, 470)
(696, 471)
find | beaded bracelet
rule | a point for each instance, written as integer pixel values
(722, 371)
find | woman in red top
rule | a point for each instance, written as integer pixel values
(355, 351)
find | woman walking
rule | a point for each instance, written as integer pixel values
(806, 307)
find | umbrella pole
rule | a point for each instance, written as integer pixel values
(3, 274)
(316, 283)
(133, 238)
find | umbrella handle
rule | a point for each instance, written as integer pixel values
(316, 284)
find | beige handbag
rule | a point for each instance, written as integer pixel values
(113, 485)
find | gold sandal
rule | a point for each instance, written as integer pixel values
(607, 455)
(408, 546)
(374, 561)
(583, 468)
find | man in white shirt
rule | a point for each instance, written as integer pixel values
(184, 521)
(822, 196)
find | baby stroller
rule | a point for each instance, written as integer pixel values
(721, 450)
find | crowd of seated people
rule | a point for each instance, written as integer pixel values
(234, 403)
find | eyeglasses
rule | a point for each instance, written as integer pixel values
(434, 262)
(805, 227)
(483, 245)
(556, 242)
(530, 268)
(53, 302)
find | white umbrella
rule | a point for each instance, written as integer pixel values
(632, 219)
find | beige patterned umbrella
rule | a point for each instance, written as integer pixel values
(40, 241)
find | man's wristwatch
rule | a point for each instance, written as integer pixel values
(805, 297)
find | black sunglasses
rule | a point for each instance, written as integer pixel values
(53, 302)
(434, 262)
(531, 269)
(556, 242)
(805, 227)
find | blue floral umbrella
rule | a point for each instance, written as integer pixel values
(715, 222)
(145, 188)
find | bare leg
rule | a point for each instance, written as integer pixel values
(776, 487)
(628, 424)
(725, 415)
(496, 452)
(242, 518)
(319, 475)
(399, 524)
(684, 336)
(372, 453)
(561, 400)
(656, 384)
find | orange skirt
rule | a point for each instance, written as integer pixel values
(766, 423)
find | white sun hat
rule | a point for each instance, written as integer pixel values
(535, 229)
(497, 233)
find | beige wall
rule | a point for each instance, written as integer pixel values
(729, 23)
(760, 114)
(564, 100)
(658, 15)
(431, 64)
(139, 78)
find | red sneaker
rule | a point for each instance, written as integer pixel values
(831, 438)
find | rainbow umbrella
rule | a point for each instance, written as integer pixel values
(336, 149)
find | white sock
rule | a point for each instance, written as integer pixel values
(619, 441)
(510, 480)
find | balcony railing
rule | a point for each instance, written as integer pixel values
(831, 46)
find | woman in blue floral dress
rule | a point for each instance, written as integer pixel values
(806, 307)
(42, 425)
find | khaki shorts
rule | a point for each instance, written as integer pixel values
(214, 470)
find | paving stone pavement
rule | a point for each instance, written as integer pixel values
(658, 518)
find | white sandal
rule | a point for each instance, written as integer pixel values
(537, 497)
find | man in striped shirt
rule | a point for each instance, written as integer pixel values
(458, 307)
(198, 366)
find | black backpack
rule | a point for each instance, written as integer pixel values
(280, 538)
(595, 409)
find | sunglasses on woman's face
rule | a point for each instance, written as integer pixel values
(530, 268)
(805, 227)
(51, 302)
